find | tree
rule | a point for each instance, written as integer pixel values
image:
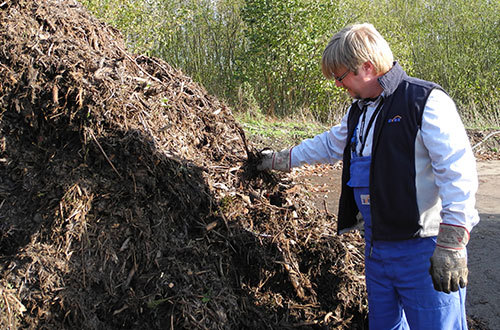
(271, 49)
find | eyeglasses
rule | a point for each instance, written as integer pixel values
(339, 79)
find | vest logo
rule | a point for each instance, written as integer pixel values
(395, 119)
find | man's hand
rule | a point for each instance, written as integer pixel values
(272, 160)
(449, 261)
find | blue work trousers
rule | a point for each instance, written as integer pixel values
(400, 290)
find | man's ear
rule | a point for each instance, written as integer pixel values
(369, 67)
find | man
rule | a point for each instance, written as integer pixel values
(409, 171)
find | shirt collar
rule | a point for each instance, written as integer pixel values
(370, 101)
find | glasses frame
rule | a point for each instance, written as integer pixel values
(339, 79)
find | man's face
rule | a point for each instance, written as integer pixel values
(359, 85)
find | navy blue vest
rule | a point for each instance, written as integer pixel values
(393, 199)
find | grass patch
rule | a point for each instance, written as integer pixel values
(278, 133)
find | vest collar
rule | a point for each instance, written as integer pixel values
(391, 79)
(389, 82)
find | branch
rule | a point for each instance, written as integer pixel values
(486, 138)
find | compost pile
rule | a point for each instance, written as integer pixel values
(129, 198)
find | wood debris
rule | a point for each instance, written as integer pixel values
(129, 197)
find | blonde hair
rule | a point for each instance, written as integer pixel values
(354, 45)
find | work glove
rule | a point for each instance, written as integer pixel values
(273, 160)
(449, 261)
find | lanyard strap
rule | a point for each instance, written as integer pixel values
(363, 136)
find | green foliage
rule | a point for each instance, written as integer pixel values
(131, 17)
(201, 37)
(285, 42)
(279, 133)
(454, 43)
(265, 54)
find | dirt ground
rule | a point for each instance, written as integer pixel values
(483, 295)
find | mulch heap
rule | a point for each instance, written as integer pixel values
(129, 197)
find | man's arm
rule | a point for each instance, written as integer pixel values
(454, 168)
(453, 162)
(327, 147)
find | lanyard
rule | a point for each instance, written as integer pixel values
(363, 135)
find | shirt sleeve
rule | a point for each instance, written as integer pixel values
(327, 147)
(452, 159)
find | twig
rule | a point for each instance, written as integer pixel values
(139, 67)
(160, 66)
(326, 209)
(486, 138)
(104, 153)
(244, 140)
